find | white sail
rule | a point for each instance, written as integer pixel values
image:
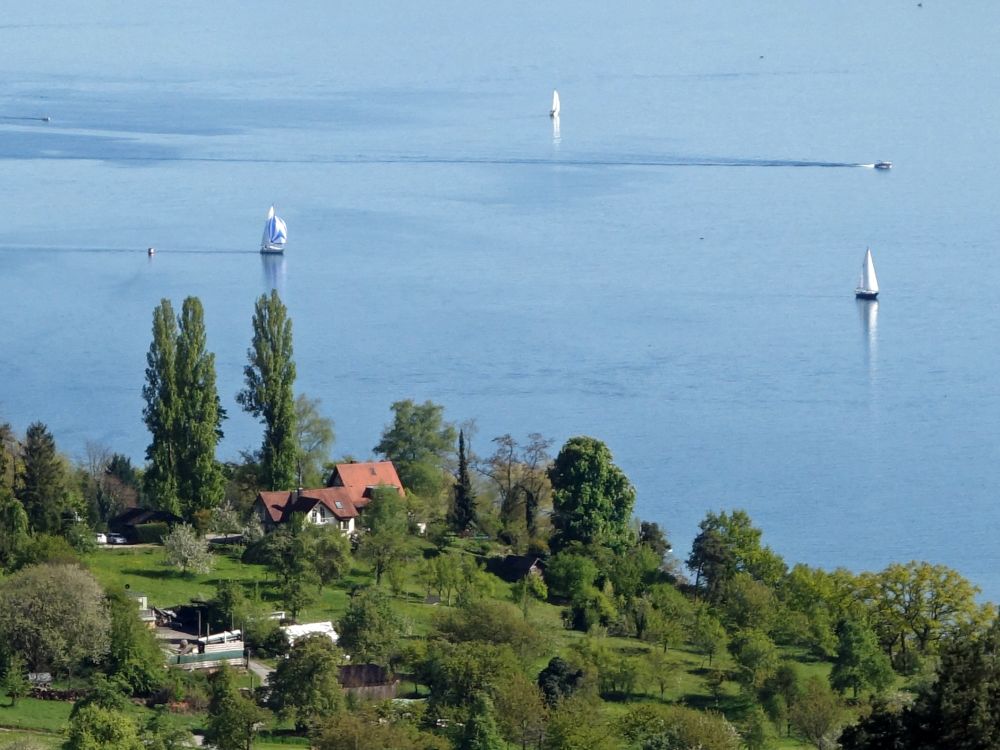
(554, 112)
(275, 233)
(869, 282)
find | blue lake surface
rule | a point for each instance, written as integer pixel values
(673, 273)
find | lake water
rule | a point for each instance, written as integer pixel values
(673, 274)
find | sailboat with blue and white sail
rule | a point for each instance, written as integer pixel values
(275, 234)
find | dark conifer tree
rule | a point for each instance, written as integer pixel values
(463, 509)
(43, 482)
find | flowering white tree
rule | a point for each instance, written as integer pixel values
(187, 551)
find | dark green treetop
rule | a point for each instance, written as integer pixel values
(592, 498)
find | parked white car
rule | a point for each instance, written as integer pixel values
(117, 539)
(101, 538)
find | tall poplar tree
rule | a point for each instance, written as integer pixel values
(268, 394)
(463, 509)
(200, 483)
(43, 482)
(160, 412)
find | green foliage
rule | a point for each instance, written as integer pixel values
(489, 621)
(182, 413)
(480, 730)
(419, 443)
(708, 636)
(161, 411)
(134, 656)
(528, 589)
(559, 680)
(728, 544)
(816, 713)
(859, 662)
(462, 515)
(150, 533)
(288, 553)
(387, 544)
(200, 483)
(304, 687)
(456, 672)
(14, 529)
(650, 727)
(314, 437)
(747, 603)
(370, 727)
(370, 631)
(43, 481)
(97, 728)
(592, 498)
(268, 394)
(55, 616)
(187, 551)
(331, 553)
(570, 576)
(15, 680)
(232, 719)
(756, 657)
(914, 606)
(577, 724)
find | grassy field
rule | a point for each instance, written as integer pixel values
(144, 571)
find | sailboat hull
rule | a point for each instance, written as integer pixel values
(272, 249)
(863, 294)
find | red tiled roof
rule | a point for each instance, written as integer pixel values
(349, 490)
(336, 499)
(361, 477)
(275, 503)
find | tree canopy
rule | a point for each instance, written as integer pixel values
(592, 498)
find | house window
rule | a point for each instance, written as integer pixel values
(339, 504)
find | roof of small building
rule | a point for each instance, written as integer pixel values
(139, 516)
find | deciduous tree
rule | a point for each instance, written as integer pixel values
(315, 437)
(161, 411)
(268, 394)
(304, 687)
(419, 443)
(199, 415)
(859, 662)
(369, 630)
(233, 721)
(592, 498)
(55, 616)
(187, 551)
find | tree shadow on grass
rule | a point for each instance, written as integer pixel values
(157, 574)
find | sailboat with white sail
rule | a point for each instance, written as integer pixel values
(554, 112)
(275, 234)
(867, 282)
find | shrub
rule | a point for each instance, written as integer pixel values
(150, 533)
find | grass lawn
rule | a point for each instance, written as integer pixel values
(31, 713)
(38, 739)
